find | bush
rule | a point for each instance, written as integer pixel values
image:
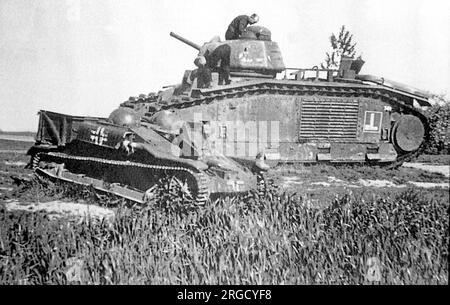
(439, 118)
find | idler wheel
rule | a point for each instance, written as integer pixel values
(408, 133)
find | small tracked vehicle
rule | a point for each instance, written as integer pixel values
(127, 157)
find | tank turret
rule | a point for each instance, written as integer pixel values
(255, 55)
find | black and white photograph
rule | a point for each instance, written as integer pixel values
(200, 144)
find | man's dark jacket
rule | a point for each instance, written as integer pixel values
(236, 27)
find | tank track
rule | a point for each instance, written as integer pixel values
(204, 97)
(202, 182)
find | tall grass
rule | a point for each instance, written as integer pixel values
(388, 239)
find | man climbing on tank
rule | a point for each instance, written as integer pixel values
(238, 25)
(203, 73)
(209, 56)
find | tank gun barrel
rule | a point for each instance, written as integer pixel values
(182, 39)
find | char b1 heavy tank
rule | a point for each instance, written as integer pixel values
(297, 115)
(220, 140)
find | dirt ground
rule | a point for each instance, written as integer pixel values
(319, 182)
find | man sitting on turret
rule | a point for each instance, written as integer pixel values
(238, 25)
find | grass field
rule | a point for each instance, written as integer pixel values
(11, 145)
(358, 236)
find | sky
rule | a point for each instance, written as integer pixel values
(85, 57)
